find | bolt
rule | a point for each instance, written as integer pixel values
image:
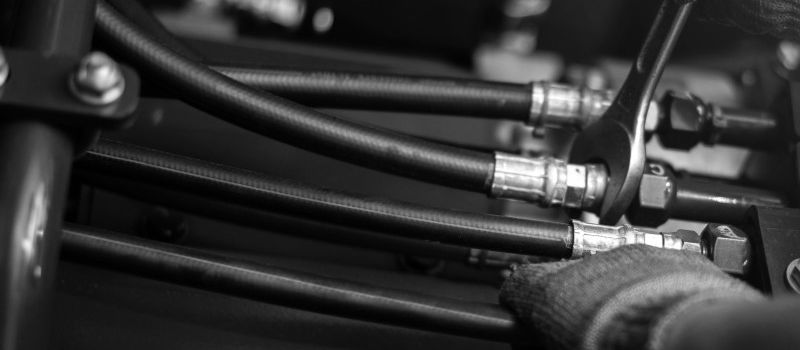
(97, 80)
(4, 69)
(793, 275)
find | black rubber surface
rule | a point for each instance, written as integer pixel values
(463, 97)
(289, 122)
(193, 268)
(276, 195)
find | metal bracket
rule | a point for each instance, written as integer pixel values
(40, 83)
(617, 139)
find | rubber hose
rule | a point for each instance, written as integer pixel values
(462, 97)
(292, 123)
(192, 268)
(398, 218)
(141, 17)
(268, 221)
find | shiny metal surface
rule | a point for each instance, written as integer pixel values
(728, 247)
(590, 239)
(32, 189)
(565, 106)
(530, 179)
(793, 275)
(548, 181)
(4, 68)
(33, 181)
(617, 139)
(98, 80)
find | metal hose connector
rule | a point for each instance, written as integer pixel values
(548, 181)
(590, 239)
(565, 106)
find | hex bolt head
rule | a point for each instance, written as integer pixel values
(98, 80)
(728, 247)
(656, 193)
(684, 120)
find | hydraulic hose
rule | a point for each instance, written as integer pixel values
(270, 221)
(141, 17)
(264, 193)
(292, 123)
(461, 97)
(192, 268)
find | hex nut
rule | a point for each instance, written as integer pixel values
(728, 247)
(685, 118)
(656, 193)
(576, 186)
(691, 241)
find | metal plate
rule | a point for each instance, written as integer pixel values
(39, 85)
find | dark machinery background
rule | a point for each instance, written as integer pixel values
(569, 41)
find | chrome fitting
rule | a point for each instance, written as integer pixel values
(564, 106)
(548, 181)
(540, 180)
(590, 239)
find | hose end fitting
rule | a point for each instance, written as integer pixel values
(590, 239)
(564, 106)
(548, 181)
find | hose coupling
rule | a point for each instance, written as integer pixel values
(565, 106)
(589, 239)
(548, 181)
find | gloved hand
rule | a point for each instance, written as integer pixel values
(780, 18)
(627, 298)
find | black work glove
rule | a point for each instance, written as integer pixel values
(627, 298)
(780, 18)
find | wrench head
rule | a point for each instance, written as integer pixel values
(622, 151)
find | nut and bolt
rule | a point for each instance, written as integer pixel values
(98, 80)
(727, 246)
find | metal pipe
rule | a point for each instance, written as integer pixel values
(33, 181)
(719, 202)
(663, 195)
(37, 159)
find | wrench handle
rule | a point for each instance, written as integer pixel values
(630, 105)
